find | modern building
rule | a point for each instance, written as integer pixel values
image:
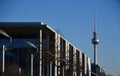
(97, 70)
(53, 55)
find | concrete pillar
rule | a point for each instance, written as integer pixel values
(40, 66)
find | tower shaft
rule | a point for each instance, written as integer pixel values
(95, 54)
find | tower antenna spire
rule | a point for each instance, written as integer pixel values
(94, 19)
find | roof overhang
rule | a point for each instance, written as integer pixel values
(22, 29)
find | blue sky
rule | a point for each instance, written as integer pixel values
(74, 20)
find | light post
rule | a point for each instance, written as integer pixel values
(4, 49)
(32, 56)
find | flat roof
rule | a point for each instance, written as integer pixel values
(22, 29)
(21, 24)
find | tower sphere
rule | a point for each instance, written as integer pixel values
(95, 41)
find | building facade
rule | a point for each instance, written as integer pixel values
(54, 55)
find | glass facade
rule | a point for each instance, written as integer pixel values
(18, 54)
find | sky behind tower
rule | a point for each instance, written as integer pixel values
(74, 20)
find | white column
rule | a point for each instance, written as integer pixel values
(74, 61)
(32, 64)
(50, 68)
(40, 68)
(58, 54)
(3, 60)
(80, 63)
(56, 48)
(85, 64)
(89, 66)
(67, 55)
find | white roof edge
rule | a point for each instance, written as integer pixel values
(51, 28)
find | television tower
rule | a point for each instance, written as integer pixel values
(95, 40)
